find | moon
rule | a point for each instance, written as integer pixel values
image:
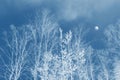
(96, 28)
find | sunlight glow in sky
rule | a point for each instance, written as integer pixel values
(96, 28)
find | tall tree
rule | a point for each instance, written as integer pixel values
(16, 52)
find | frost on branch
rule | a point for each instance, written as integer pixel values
(56, 55)
(44, 40)
(41, 51)
(16, 53)
(112, 33)
(73, 57)
(117, 69)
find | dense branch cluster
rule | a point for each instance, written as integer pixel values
(42, 51)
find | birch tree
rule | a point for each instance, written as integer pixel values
(49, 63)
(44, 39)
(117, 69)
(16, 53)
(112, 34)
(41, 50)
(73, 52)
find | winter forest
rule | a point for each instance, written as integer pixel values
(59, 40)
(41, 50)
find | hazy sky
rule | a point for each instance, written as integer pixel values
(67, 12)
(102, 11)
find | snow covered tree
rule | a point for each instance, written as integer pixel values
(117, 69)
(102, 67)
(41, 51)
(73, 55)
(16, 53)
(44, 39)
(56, 55)
(112, 34)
